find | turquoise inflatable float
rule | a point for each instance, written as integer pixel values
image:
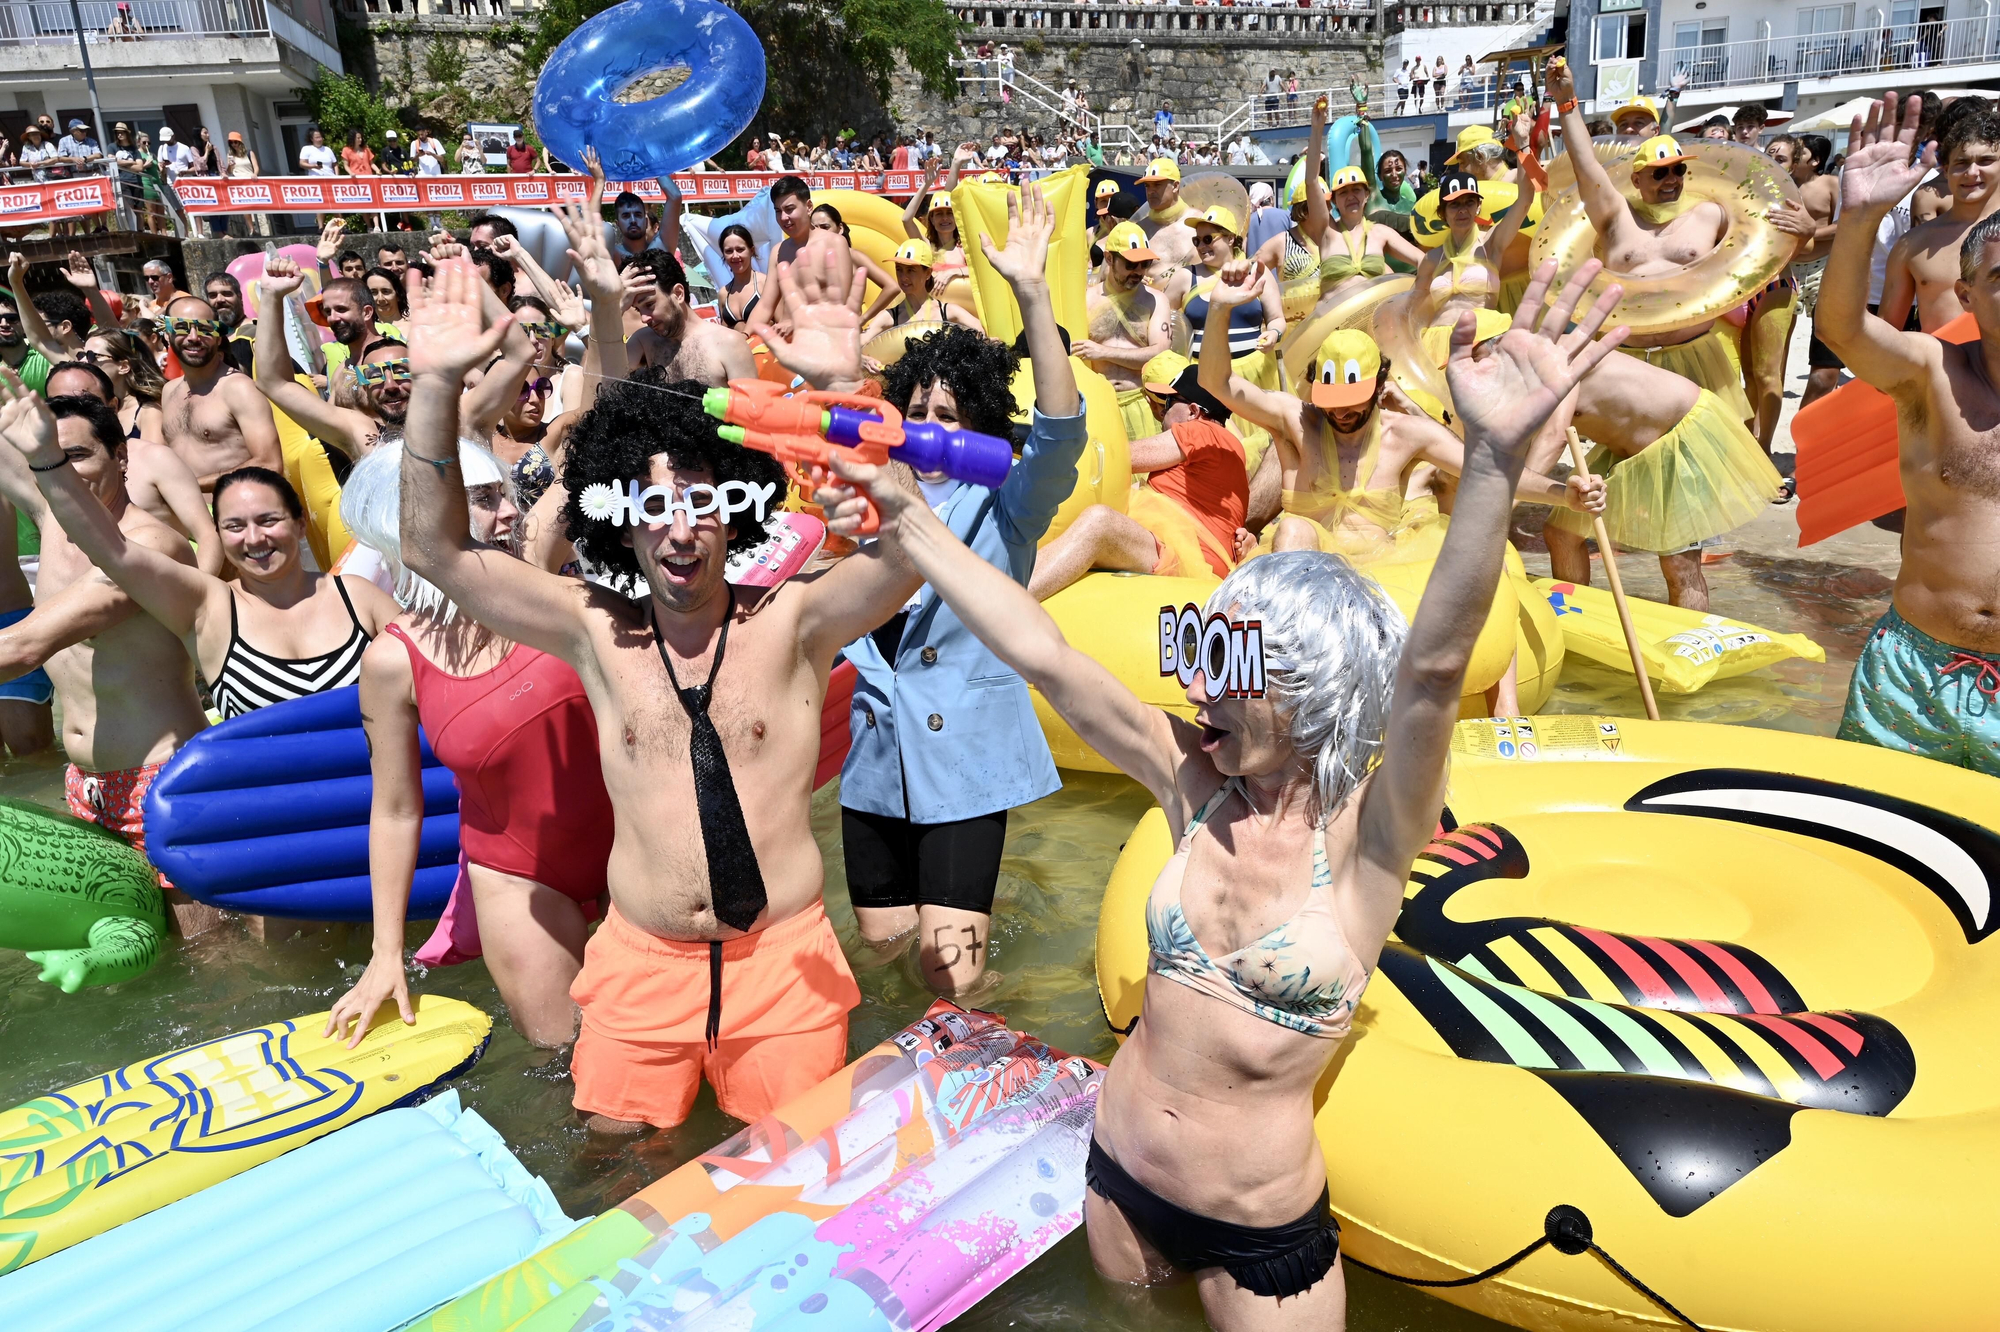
(77, 900)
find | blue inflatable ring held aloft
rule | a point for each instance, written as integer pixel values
(574, 97)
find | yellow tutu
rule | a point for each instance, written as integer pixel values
(1137, 412)
(1436, 339)
(1260, 368)
(1187, 548)
(1704, 477)
(1707, 362)
(1512, 288)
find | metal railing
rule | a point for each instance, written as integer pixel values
(1464, 16)
(1822, 55)
(493, 9)
(1166, 16)
(27, 22)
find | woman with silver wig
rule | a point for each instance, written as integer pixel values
(1310, 778)
(513, 726)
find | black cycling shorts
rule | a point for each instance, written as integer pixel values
(893, 862)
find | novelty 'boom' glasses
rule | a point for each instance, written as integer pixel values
(1227, 654)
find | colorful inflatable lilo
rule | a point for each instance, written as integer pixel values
(1716, 1000)
(77, 900)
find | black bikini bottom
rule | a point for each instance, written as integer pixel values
(1272, 1261)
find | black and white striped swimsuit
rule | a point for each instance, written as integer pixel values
(250, 679)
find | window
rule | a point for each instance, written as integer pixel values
(1620, 37)
(1700, 51)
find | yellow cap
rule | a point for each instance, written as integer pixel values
(1347, 175)
(916, 252)
(992, 178)
(1162, 168)
(1221, 218)
(1471, 137)
(1105, 189)
(939, 200)
(1349, 364)
(1658, 151)
(1160, 373)
(1638, 106)
(1129, 242)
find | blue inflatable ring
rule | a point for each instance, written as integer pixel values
(574, 97)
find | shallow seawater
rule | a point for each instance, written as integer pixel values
(1059, 853)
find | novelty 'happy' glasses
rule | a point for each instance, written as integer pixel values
(185, 328)
(374, 374)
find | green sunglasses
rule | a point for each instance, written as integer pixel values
(376, 374)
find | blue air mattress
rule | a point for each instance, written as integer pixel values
(268, 814)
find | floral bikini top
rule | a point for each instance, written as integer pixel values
(1302, 975)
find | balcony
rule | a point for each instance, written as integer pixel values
(155, 37)
(1858, 54)
(1314, 20)
(483, 11)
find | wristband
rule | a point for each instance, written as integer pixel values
(52, 466)
(439, 463)
(1564, 108)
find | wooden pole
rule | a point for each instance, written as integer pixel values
(1617, 586)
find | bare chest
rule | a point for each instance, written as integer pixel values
(200, 419)
(1643, 250)
(1963, 453)
(1121, 322)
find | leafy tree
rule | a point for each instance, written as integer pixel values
(342, 102)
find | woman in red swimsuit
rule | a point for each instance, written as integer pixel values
(513, 726)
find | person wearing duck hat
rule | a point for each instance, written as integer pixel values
(1165, 218)
(1636, 119)
(1463, 272)
(1129, 324)
(914, 299)
(1218, 238)
(930, 218)
(1666, 229)
(1101, 196)
(1353, 249)
(1344, 462)
(1187, 518)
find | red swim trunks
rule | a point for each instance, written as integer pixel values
(114, 801)
(764, 1017)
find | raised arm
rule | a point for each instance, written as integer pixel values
(180, 490)
(1319, 216)
(33, 327)
(604, 358)
(913, 227)
(1023, 263)
(1503, 397)
(395, 828)
(1601, 198)
(274, 378)
(1276, 412)
(1142, 741)
(823, 292)
(328, 248)
(506, 595)
(171, 591)
(1883, 165)
(670, 215)
(1509, 225)
(77, 272)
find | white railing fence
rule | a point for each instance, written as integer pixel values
(1820, 55)
(24, 22)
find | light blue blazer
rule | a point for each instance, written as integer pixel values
(946, 731)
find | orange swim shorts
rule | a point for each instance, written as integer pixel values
(764, 1016)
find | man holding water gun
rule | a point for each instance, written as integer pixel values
(944, 736)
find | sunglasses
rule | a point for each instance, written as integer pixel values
(1211, 237)
(182, 328)
(89, 357)
(159, 277)
(544, 328)
(536, 387)
(9, 317)
(374, 374)
(1674, 172)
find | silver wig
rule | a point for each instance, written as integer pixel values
(1332, 639)
(371, 504)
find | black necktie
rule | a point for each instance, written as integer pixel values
(735, 883)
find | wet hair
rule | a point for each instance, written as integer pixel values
(262, 476)
(615, 442)
(103, 420)
(501, 226)
(144, 377)
(1972, 250)
(739, 230)
(790, 187)
(1332, 642)
(1977, 123)
(64, 306)
(371, 506)
(1819, 146)
(978, 371)
(84, 368)
(625, 197)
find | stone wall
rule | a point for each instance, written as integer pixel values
(1124, 83)
(401, 57)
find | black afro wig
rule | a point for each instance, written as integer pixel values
(978, 371)
(616, 441)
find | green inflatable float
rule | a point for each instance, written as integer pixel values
(76, 899)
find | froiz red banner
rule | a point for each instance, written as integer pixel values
(51, 200)
(426, 194)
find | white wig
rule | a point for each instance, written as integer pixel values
(1332, 640)
(371, 504)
